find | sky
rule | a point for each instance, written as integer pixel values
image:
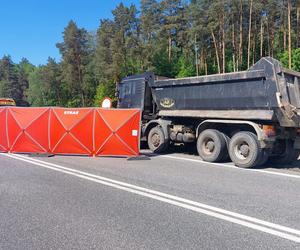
(31, 28)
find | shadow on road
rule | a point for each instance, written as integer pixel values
(295, 165)
(190, 150)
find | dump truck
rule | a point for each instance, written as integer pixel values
(249, 117)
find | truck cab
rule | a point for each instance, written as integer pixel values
(135, 92)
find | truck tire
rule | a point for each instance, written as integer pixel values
(244, 150)
(287, 155)
(226, 156)
(211, 145)
(157, 142)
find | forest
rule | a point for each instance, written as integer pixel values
(172, 38)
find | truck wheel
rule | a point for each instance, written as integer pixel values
(286, 153)
(211, 145)
(244, 150)
(156, 140)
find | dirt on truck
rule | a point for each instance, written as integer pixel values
(250, 117)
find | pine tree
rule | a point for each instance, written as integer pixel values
(53, 86)
(36, 93)
(9, 85)
(150, 20)
(24, 69)
(74, 50)
(104, 62)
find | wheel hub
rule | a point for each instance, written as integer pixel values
(244, 150)
(209, 146)
(155, 140)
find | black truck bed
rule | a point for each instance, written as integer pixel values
(267, 91)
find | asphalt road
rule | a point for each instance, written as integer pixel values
(168, 202)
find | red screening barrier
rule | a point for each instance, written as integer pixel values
(84, 131)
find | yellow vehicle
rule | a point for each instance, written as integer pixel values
(7, 102)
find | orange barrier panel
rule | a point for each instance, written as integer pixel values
(84, 131)
(27, 130)
(71, 131)
(121, 135)
(3, 131)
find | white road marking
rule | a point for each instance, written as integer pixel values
(243, 220)
(231, 166)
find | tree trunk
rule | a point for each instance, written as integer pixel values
(205, 65)
(80, 78)
(261, 37)
(249, 33)
(241, 36)
(254, 44)
(217, 52)
(272, 39)
(284, 40)
(205, 61)
(223, 46)
(233, 48)
(283, 27)
(170, 48)
(268, 39)
(298, 18)
(83, 99)
(290, 36)
(196, 57)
